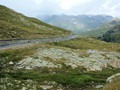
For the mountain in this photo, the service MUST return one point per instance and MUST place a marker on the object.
(15, 25)
(98, 32)
(77, 24)
(112, 35)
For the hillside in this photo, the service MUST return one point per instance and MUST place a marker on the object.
(77, 24)
(112, 35)
(98, 32)
(15, 25)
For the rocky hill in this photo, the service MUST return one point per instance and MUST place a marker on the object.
(77, 24)
(15, 25)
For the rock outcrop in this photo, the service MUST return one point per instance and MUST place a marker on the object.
(56, 57)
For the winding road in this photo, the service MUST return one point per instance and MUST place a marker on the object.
(8, 44)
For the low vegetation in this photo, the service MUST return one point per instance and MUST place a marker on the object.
(16, 25)
(88, 43)
(72, 79)
(67, 77)
(98, 32)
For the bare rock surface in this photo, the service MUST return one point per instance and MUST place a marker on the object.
(55, 57)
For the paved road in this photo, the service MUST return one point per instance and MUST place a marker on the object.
(7, 44)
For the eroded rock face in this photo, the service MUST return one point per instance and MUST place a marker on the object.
(55, 57)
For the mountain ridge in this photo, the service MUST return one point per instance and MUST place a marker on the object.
(77, 24)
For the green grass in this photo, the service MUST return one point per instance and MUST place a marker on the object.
(88, 43)
(98, 32)
(16, 25)
(71, 78)
(15, 55)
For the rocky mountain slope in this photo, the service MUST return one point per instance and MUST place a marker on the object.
(16, 25)
(77, 24)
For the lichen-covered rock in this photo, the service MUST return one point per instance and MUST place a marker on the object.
(30, 63)
(11, 63)
(56, 57)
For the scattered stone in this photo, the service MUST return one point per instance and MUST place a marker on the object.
(46, 87)
(23, 88)
(99, 86)
(11, 63)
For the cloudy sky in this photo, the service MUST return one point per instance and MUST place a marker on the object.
(69, 7)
